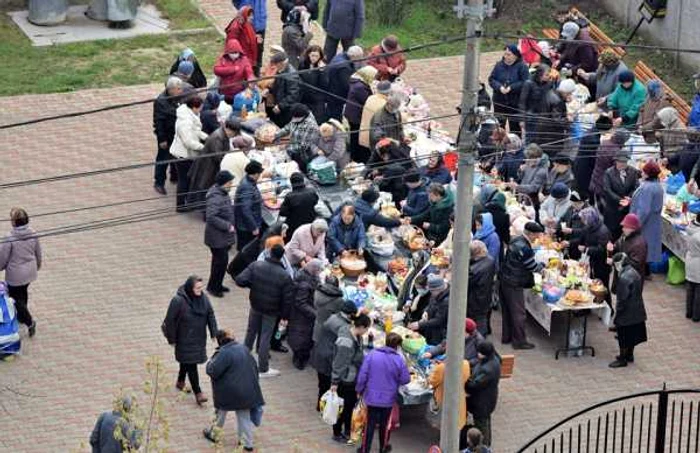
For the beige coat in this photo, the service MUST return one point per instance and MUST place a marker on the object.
(374, 104)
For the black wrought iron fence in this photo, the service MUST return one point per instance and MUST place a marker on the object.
(662, 421)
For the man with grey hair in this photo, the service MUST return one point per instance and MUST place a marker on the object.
(386, 123)
(339, 71)
(164, 117)
(308, 243)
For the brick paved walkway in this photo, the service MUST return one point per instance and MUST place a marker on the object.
(102, 294)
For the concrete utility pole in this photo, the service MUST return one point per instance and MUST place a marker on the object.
(449, 432)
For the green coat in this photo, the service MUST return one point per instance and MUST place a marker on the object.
(438, 215)
(628, 102)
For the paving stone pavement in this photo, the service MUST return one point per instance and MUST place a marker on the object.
(102, 294)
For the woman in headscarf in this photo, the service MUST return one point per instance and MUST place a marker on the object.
(241, 29)
(303, 313)
(197, 79)
(494, 202)
(631, 316)
(656, 100)
(436, 170)
(647, 204)
(360, 90)
(185, 326)
(594, 242)
(296, 36)
(210, 113)
(506, 80)
(670, 132)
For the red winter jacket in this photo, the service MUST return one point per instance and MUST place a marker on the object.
(396, 61)
(231, 71)
(243, 31)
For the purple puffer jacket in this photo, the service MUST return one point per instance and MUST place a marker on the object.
(380, 376)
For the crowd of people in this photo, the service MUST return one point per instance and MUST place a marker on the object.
(580, 184)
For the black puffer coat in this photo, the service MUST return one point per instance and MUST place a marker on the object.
(298, 208)
(186, 324)
(328, 300)
(271, 287)
(481, 274)
(314, 99)
(482, 387)
(434, 328)
(234, 378)
(303, 313)
(219, 220)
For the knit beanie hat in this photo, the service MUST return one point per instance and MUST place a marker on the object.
(626, 76)
(469, 326)
(608, 57)
(349, 307)
(513, 48)
(655, 89)
(384, 87)
(567, 86)
(620, 136)
(223, 177)
(559, 191)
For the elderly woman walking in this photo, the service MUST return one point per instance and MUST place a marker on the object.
(303, 313)
(647, 204)
(630, 315)
(185, 326)
(20, 258)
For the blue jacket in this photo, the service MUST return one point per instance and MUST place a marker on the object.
(487, 234)
(247, 206)
(417, 201)
(344, 19)
(513, 76)
(440, 175)
(259, 12)
(371, 216)
(345, 237)
(647, 204)
(510, 165)
(240, 100)
(694, 117)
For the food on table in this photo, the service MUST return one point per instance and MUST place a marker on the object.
(391, 211)
(266, 133)
(575, 296)
(439, 259)
(353, 265)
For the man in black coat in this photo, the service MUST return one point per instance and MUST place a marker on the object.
(164, 117)
(247, 205)
(339, 71)
(203, 170)
(286, 91)
(219, 231)
(433, 325)
(516, 274)
(482, 270)
(482, 388)
(299, 205)
(619, 183)
(271, 288)
(236, 387)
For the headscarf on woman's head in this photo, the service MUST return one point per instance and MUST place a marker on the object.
(591, 217)
(486, 193)
(654, 89)
(314, 267)
(189, 286)
(668, 116)
(212, 101)
(367, 74)
(245, 12)
(514, 143)
(185, 54)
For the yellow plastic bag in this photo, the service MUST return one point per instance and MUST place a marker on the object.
(359, 420)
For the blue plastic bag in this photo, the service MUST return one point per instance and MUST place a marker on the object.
(660, 267)
(674, 183)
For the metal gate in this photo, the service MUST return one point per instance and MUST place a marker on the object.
(663, 421)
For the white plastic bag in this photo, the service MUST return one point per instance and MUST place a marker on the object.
(332, 406)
